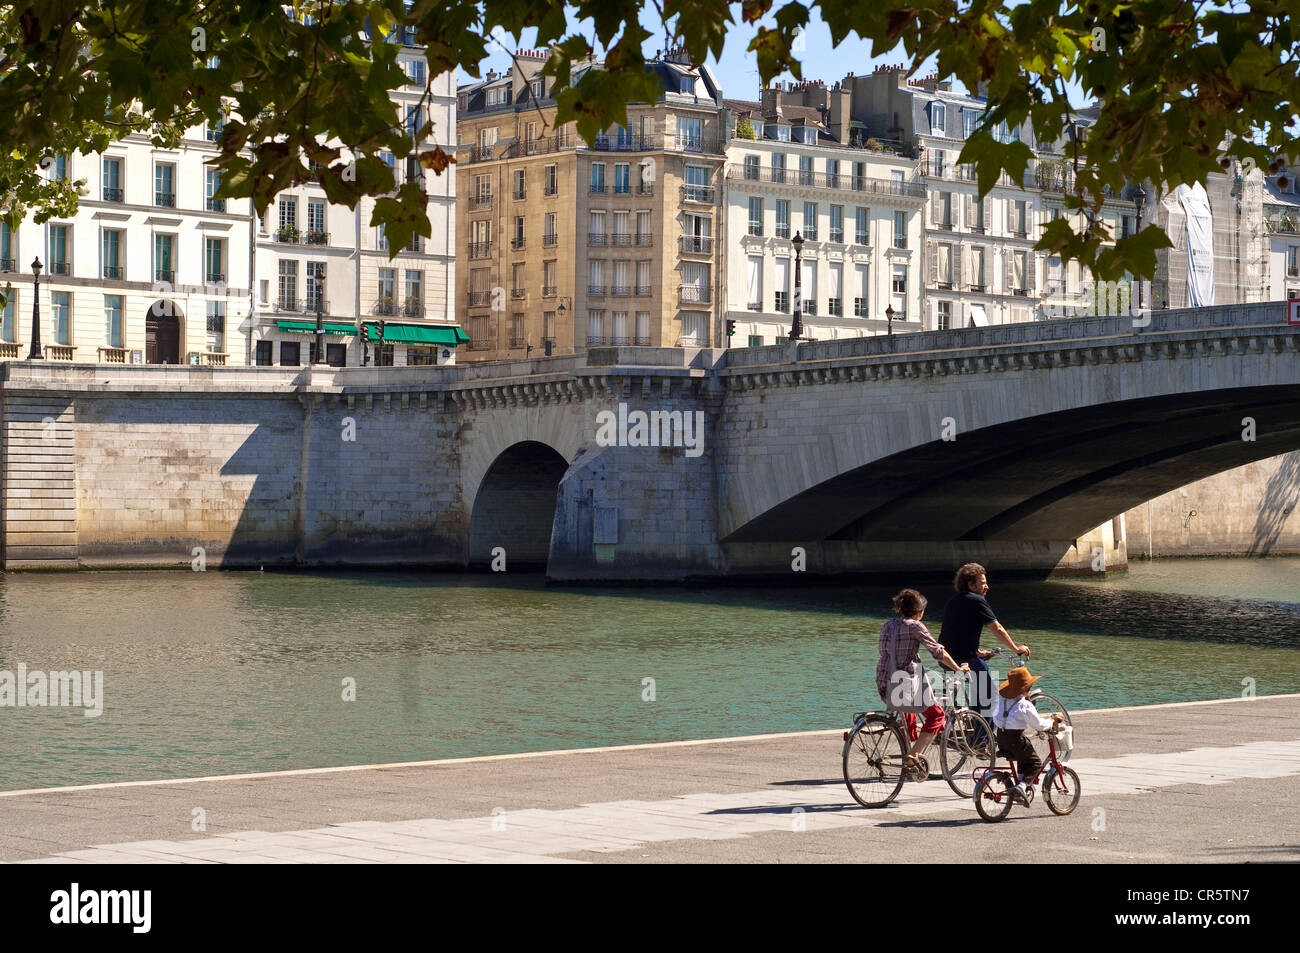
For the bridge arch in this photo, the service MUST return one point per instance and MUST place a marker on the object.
(514, 507)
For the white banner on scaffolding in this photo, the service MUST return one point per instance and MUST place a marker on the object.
(1200, 245)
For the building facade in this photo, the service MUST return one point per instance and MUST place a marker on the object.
(567, 246)
(154, 269)
(1282, 224)
(857, 213)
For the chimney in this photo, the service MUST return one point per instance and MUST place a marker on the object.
(492, 75)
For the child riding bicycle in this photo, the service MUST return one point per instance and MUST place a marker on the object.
(1014, 714)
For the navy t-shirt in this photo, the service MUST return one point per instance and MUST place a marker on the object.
(963, 619)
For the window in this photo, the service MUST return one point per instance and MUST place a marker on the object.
(977, 279)
(61, 305)
(944, 269)
(595, 277)
(113, 254)
(1018, 273)
(414, 175)
(538, 89)
(164, 258)
(782, 301)
(549, 237)
(697, 184)
(598, 177)
(778, 167)
(316, 233)
(900, 229)
(548, 279)
(622, 230)
(216, 322)
(783, 133)
(782, 218)
(937, 117)
(805, 170)
(643, 328)
(643, 234)
(754, 274)
(756, 340)
(414, 121)
(212, 131)
(861, 232)
(1293, 260)
(263, 291)
(517, 241)
(937, 162)
(1019, 221)
(59, 169)
(415, 70)
(695, 282)
(837, 223)
(595, 328)
(262, 356)
(288, 220)
(517, 284)
(214, 257)
(620, 335)
(809, 286)
(898, 287)
(164, 184)
(1126, 226)
(521, 184)
(8, 329)
(548, 327)
(112, 184)
(289, 353)
(969, 118)
(482, 194)
(8, 252)
(414, 294)
(642, 278)
(860, 299)
(977, 215)
(622, 178)
(810, 221)
(943, 315)
(487, 138)
(698, 232)
(316, 287)
(833, 173)
(550, 188)
(288, 286)
(60, 245)
(945, 209)
(690, 133)
(113, 320)
(211, 183)
(835, 289)
(751, 168)
(596, 228)
(387, 287)
(756, 216)
(694, 326)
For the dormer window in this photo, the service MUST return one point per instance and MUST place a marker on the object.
(969, 117)
(937, 117)
(537, 89)
(688, 84)
(783, 133)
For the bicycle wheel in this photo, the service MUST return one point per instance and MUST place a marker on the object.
(1047, 706)
(1061, 791)
(993, 795)
(965, 750)
(873, 761)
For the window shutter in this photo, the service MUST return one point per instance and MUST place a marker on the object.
(958, 257)
(956, 210)
(988, 212)
(1008, 272)
(934, 208)
(970, 209)
(932, 274)
(1031, 266)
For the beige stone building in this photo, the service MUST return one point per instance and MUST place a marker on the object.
(567, 246)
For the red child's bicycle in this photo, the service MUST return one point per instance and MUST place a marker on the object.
(993, 786)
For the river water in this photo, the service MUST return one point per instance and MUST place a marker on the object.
(218, 673)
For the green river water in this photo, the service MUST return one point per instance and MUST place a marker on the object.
(219, 673)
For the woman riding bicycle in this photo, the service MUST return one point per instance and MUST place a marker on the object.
(900, 677)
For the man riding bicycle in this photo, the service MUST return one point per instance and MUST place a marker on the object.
(964, 619)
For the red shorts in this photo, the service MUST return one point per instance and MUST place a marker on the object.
(933, 722)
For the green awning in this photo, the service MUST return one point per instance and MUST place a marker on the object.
(309, 327)
(448, 335)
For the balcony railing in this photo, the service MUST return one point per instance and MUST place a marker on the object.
(900, 241)
(696, 245)
(696, 294)
(114, 355)
(479, 344)
(844, 183)
(160, 274)
(521, 193)
(979, 288)
(646, 188)
(477, 202)
(114, 195)
(59, 352)
(837, 236)
(1020, 292)
(597, 239)
(6, 264)
(62, 268)
(548, 291)
(623, 188)
(861, 238)
(645, 238)
(620, 238)
(755, 306)
(549, 241)
(165, 199)
(480, 250)
(516, 244)
(596, 340)
(1284, 225)
(810, 233)
(214, 277)
(301, 305)
(756, 229)
(482, 154)
(698, 144)
(620, 291)
(597, 188)
(287, 233)
(113, 271)
(642, 291)
(597, 290)
(316, 236)
(782, 229)
(214, 205)
(640, 341)
(698, 193)
(9, 349)
(518, 294)
(476, 299)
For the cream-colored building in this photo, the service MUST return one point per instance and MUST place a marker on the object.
(151, 269)
(857, 211)
(566, 246)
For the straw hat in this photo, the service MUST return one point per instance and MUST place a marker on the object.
(1018, 682)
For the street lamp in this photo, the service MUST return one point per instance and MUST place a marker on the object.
(547, 343)
(796, 327)
(889, 321)
(320, 321)
(35, 354)
(1139, 199)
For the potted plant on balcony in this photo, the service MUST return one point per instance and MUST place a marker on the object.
(414, 307)
(287, 233)
(384, 305)
(317, 236)
(744, 129)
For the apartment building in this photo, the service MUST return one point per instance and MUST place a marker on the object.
(568, 246)
(857, 212)
(1281, 212)
(151, 269)
(310, 252)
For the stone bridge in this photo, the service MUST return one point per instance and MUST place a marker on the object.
(1016, 445)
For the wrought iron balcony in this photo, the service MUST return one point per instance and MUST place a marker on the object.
(482, 201)
(114, 195)
(645, 238)
(476, 299)
(696, 244)
(480, 250)
(696, 294)
(165, 199)
(214, 205)
(703, 194)
(516, 244)
(549, 241)
(113, 271)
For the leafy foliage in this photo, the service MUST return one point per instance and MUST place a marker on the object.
(1177, 78)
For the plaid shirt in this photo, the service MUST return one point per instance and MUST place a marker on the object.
(907, 636)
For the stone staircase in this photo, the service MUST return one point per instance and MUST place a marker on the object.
(40, 483)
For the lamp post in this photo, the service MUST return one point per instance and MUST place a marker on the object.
(889, 321)
(796, 326)
(1139, 199)
(547, 345)
(35, 354)
(320, 321)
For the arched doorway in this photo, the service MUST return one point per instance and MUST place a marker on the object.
(162, 333)
(515, 507)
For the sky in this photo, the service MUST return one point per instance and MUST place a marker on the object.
(737, 70)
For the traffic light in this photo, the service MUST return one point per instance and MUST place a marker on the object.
(380, 322)
(365, 333)
(731, 327)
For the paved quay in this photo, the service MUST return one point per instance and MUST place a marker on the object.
(1200, 782)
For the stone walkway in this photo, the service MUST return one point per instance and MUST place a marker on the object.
(791, 815)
